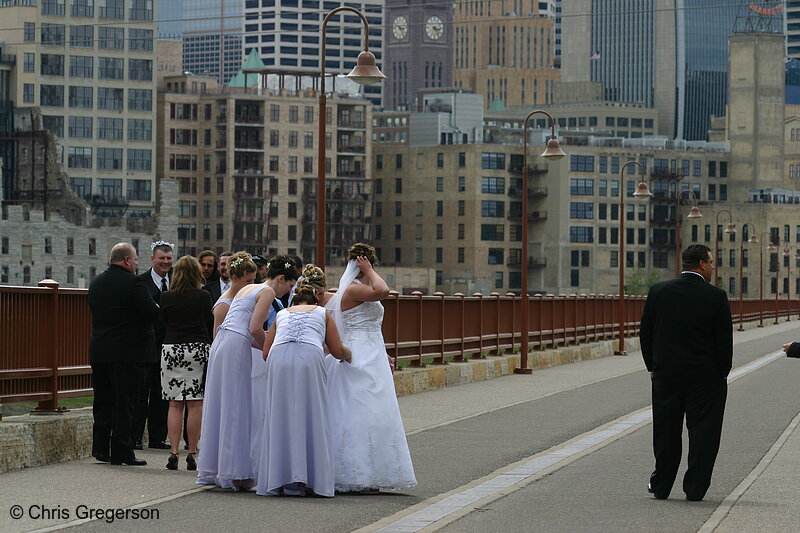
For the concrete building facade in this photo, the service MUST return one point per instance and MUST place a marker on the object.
(245, 162)
(212, 38)
(504, 53)
(90, 69)
(287, 35)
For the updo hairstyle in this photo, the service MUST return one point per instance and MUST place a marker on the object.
(281, 264)
(359, 249)
(314, 276)
(240, 264)
(305, 294)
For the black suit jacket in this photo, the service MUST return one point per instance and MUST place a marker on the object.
(686, 326)
(158, 327)
(123, 313)
(213, 288)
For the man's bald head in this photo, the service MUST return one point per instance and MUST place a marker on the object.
(124, 254)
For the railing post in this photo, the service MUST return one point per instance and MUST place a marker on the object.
(440, 360)
(514, 327)
(396, 296)
(460, 356)
(50, 346)
(480, 325)
(497, 322)
(418, 361)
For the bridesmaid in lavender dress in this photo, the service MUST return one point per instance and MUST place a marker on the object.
(225, 441)
(295, 456)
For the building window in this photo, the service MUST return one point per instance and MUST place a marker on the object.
(109, 129)
(581, 163)
(581, 234)
(81, 66)
(29, 64)
(141, 9)
(111, 68)
(81, 97)
(109, 159)
(108, 98)
(584, 210)
(139, 159)
(398, 161)
(53, 34)
(110, 188)
(51, 95)
(111, 38)
(141, 100)
(582, 187)
(80, 128)
(78, 156)
(140, 39)
(492, 232)
(29, 32)
(27, 93)
(493, 185)
(490, 160)
(140, 69)
(81, 36)
(462, 159)
(492, 208)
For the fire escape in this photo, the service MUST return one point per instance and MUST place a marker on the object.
(252, 191)
(537, 195)
(665, 183)
(348, 193)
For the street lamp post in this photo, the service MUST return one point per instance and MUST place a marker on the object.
(787, 253)
(694, 213)
(552, 152)
(730, 229)
(774, 248)
(641, 192)
(751, 240)
(364, 73)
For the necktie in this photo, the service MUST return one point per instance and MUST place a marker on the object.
(164, 287)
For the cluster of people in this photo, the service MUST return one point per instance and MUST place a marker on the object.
(280, 387)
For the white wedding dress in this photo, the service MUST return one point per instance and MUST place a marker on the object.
(367, 434)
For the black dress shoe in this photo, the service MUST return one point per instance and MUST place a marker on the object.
(159, 445)
(102, 457)
(130, 462)
(656, 495)
(137, 445)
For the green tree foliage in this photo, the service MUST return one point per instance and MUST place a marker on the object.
(640, 282)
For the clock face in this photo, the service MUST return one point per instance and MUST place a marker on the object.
(400, 28)
(434, 28)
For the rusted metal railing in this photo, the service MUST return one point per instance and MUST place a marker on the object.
(45, 331)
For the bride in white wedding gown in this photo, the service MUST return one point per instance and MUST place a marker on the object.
(367, 434)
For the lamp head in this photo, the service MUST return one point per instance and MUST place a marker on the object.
(695, 213)
(553, 150)
(771, 247)
(366, 72)
(730, 229)
(642, 190)
(753, 239)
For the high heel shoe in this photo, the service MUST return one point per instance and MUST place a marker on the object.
(191, 464)
(245, 485)
(172, 462)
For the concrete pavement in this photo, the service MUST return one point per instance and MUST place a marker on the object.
(443, 426)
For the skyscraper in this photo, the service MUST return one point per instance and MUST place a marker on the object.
(287, 34)
(212, 37)
(666, 54)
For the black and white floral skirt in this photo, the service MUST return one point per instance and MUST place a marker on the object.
(182, 369)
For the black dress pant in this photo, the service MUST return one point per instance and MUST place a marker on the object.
(116, 388)
(151, 408)
(699, 395)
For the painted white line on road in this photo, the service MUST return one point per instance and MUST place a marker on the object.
(150, 503)
(450, 506)
(727, 504)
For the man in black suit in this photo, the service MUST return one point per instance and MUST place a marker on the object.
(209, 264)
(152, 408)
(687, 345)
(122, 334)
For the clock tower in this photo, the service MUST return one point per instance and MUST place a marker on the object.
(418, 49)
